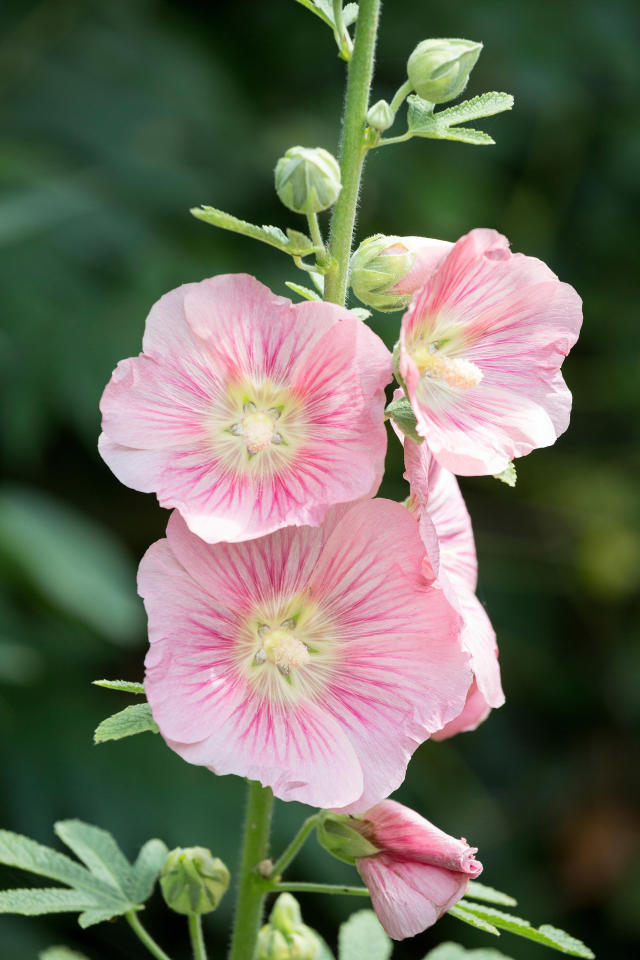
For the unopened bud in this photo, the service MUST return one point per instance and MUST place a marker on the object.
(286, 937)
(308, 179)
(286, 915)
(439, 69)
(380, 116)
(193, 881)
(343, 837)
(385, 272)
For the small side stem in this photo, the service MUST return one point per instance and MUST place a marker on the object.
(314, 230)
(295, 845)
(318, 888)
(145, 937)
(387, 141)
(197, 940)
(353, 149)
(400, 95)
(252, 887)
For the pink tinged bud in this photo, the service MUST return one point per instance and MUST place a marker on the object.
(385, 271)
(419, 872)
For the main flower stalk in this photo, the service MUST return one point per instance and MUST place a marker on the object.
(251, 888)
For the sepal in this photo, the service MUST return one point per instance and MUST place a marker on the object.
(342, 837)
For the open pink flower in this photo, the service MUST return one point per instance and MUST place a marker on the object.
(314, 660)
(429, 255)
(445, 528)
(480, 352)
(419, 871)
(248, 413)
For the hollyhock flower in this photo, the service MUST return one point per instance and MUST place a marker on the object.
(419, 871)
(385, 272)
(445, 529)
(248, 413)
(314, 660)
(480, 352)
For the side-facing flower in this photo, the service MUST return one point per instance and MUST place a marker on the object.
(385, 272)
(415, 872)
(445, 529)
(248, 413)
(480, 353)
(314, 660)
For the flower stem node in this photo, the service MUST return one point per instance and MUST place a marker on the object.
(439, 69)
(345, 837)
(193, 881)
(308, 179)
(286, 937)
(380, 116)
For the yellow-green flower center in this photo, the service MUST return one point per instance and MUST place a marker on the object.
(454, 371)
(257, 428)
(281, 647)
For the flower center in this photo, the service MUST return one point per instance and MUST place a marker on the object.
(281, 647)
(257, 428)
(454, 371)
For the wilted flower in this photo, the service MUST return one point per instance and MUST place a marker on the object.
(314, 660)
(480, 352)
(248, 413)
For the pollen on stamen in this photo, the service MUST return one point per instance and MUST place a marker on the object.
(285, 651)
(454, 371)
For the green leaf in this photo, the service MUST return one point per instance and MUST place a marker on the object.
(71, 561)
(362, 936)
(545, 935)
(101, 914)
(99, 852)
(508, 476)
(296, 244)
(423, 122)
(34, 903)
(478, 891)
(125, 686)
(467, 135)
(453, 951)
(26, 854)
(61, 953)
(134, 719)
(404, 418)
(321, 8)
(360, 312)
(324, 953)
(460, 913)
(303, 292)
(485, 105)
(349, 14)
(147, 867)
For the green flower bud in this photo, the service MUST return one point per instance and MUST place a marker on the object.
(380, 116)
(300, 944)
(308, 179)
(344, 838)
(286, 916)
(439, 69)
(376, 266)
(193, 881)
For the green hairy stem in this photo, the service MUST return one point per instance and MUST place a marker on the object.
(251, 888)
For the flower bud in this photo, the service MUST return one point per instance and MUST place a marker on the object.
(344, 838)
(380, 116)
(439, 69)
(308, 179)
(385, 271)
(193, 881)
(286, 915)
(286, 937)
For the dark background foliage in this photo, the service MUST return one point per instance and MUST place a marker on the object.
(117, 117)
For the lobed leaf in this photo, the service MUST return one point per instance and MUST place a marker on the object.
(303, 292)
(401, 413)
(124, 686)
(296, 244)
(460, 913)
(147, 867)
(478, 891)
(423, 122)
(34, 903)
(26, 854)
(546, 935)
(484, 105)
(467, 135)
(101, 914)
(100, 853)
(134, 719)
(362, 936)
(349, 14)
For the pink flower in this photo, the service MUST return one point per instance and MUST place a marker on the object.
(445, 529)
(480, 352)
(248, 413)
(429, 255)
(314, 660)
(419, 871)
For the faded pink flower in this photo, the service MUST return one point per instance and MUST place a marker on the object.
(419, 871)
(445, 529)
(480, 352)
(314, 660)
(248, 413)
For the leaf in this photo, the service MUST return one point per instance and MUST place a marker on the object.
(460, 913)
(125, 686)
(73, 562)
(508, 476)
(423, 122)
(467, 135)
(361, 313)
(485, 105)
(362, 936)
(320, 8)
(478, 891)
(26, 854)
(349, 14)
(134, 719)
(404, 418)
(453, 951)
(147, 867)
(99, 852)
(546, 935)
(324, 953)
(296, 244)
(101, 914)
(34, 903)
(303, 292)
(61, 953)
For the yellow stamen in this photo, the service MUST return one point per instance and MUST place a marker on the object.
(257, 430)
(283, 649)
(455, 371)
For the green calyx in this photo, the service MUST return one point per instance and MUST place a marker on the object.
(345, 837)
(378, 264)
(308, 179)
(439, 69)
(193, 881)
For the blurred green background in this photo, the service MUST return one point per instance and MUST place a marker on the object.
(117, 117)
